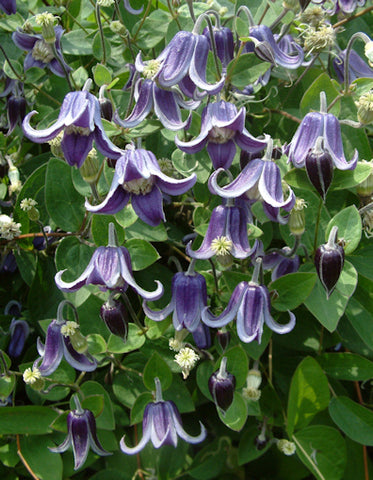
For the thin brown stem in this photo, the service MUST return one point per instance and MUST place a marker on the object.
(24, 461)
(352, 17)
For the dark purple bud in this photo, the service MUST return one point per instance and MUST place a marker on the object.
(223, 338)
(106, 108)
(329, 260)
(247, 157)
(13, 308)
(115, 316)
(16, 107)
(221, 385)
(319, 167)
(264, 51)
(261, 442)
(8, 263)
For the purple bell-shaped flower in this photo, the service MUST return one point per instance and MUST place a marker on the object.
(315, 125)
(80, 121)
(162, 425)
(250, 305)
(357, 68)
(138, 177)
(110, 268)
(81, 435)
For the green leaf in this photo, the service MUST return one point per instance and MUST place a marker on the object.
(157, 367)
(208, 463)
(349, 226)
(247, 450)
(323, 451)
(135, 340)
(74, 256)
(76, 43)
(247, 69)
(64, 204)
(142, 253)
(127, 387)
(97, 47)
(142, 231)
(362, 260)
(26, 262)
(101, 75)
(237, 364)
(7, 383)
(126, 217)
(100, 228)
(152, 30)
(236, 415)
(344, 179)
(45, 464)
(297, 177)
(96, 344)
(328, 312)
(346, 366)
(204, 372)
(137, 411)
(199, 163)
(311, 98)
(353, 419)
(30, 420)
(292, 290)
(309, 394)
(106, 419)
(9, 71)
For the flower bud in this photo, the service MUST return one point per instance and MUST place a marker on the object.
(223, 338)
(46, 20)
(319, 168)
(16, 109)
(365, 108)
(286, 447)
(115, 316)
(365, 188)
(106, 108)
(90, 168)
(297, 219)
(221, 385)
(79, 342)
(329, 260)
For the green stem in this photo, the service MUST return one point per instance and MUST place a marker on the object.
(317, 225)
(102, 37)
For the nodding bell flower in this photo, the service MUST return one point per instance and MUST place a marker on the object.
(19, 331)
(185, 55)
(222, 128)
(80, 121)
(259, 180)
(63, 340)
(138, 177)
(221, 385)
(280, 263)
(224, 42)
(226, 235)
(189, 298)
(288, 55)
(329, 261)
(162, 425)
(319, 168)
(165, 103)
(8, 6)
(16, 109)
(40, 53)
(250, 305)
(357, 68)
(315, 125)
(110, 268)
(81, 435)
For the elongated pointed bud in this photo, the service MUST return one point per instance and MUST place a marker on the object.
(319, 168)
(329, 260)
(221, 385)
(115, 316)
(223, 337)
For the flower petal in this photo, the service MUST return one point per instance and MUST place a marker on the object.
(231, 310)
(244, 181)
(305, 137)
(115, 201)
(149, 207)
(250, 315)
(167, 109)
(221, 154)
(143, 105)
(53, 350)
(77, 360)
(271, 323)
(79, 282)
(76, 147)
(41, 136)
(333, 144)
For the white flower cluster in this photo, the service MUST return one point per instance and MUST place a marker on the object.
(8, 228)
(186, 359)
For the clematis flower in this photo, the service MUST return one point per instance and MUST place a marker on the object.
(250, 305)
(40, 52)
(165, 103)
(19, 331)
(224, 42)
(357, 68)
(80, 121)
(344, 6)
(63, 340)
(280, 264)
(138, 177)
(280, 53)
(186, 54)
(226, 235)
(110, 268)
(162, 425)
(189, 297)
(81, 435)
(222, 128)
(259, 180)
(8, 6)
(315, 125)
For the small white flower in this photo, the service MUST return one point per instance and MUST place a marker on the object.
(286, 447)
(105, 3)
(8, 228)
(31, 375)
(27, 204)
(69, 329)
(186, 359)
(368, 50)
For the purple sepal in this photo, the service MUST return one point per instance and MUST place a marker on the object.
(19, 331)
(8, 6)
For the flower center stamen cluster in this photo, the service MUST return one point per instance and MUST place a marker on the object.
(140, 185)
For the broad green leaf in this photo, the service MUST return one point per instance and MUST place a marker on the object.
(157, 367)
(101, 75)
(26, 262)
(236, 415)
(7, 383)
(142, 253)
(199, 163)
(328, 312)
(297, 177)
(346, 366)
(247, 450)
(96, 344)
(97, 49)
(208, 463)
(246, 70)
(359, 316)
(152, 30)
(353, 419)
(126, 217)
(26, 420)
(64, 204)
(309, 394)
(350, 178)
(45, 464)
(349, 226)
(73, 256)
(106, 418)
(127, 387)
(137, 411)
(323, 451)
(142, 231)
(180, 395)
(362, 260)
(237, 364)
(292, 290)
(311, 98)
(204, 371)
(135, 340)
(100, 228)
(76, 43)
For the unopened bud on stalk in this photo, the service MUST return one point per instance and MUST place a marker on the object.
(297, 219)
(221, 385)
(223, 338)
(115, 316)
(253, 382)
(329, 260)
(319, 168)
